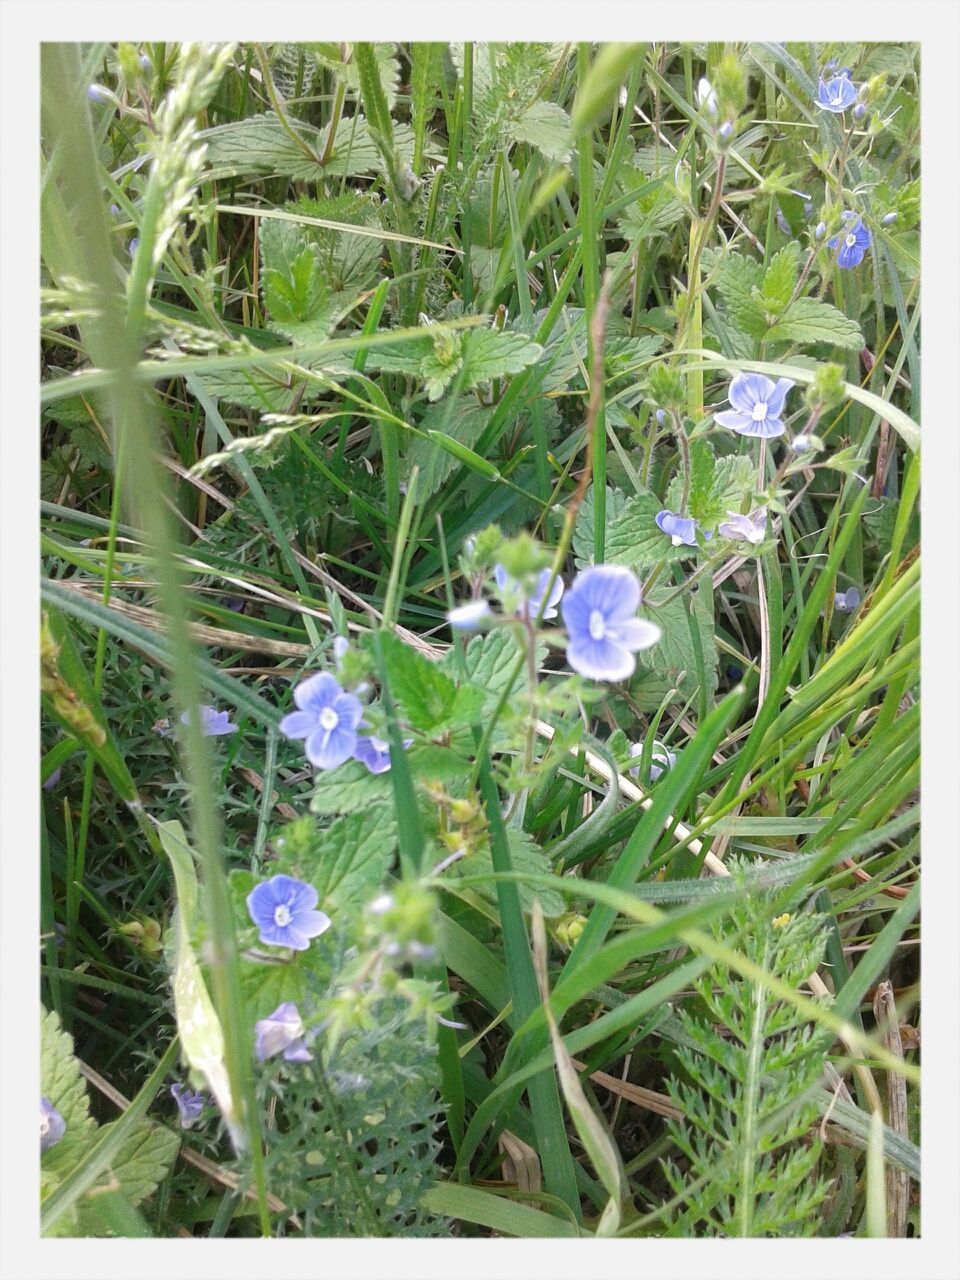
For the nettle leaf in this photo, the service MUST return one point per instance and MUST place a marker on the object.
(348, 788)
(463, 420)
(809, 320)
(142, 1160)
(633, 538)
(729, 480)
(702, 468)
(672, 662)
(545, 126)
(62, 1083)
(424, 694)
(490, 661)
(294, 287)
(780, 278)
(489, 354)
(526, 857)
(736, 278)
(330, 55)
(260, 145)
(349, 859)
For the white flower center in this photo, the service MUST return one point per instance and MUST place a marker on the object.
(44, 1125)
(598, 626)
(759, 412)
(282, 916)
(329, 719)
(676, 539)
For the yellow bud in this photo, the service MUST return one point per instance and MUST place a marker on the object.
(780, 921)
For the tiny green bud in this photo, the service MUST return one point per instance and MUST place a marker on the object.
(827, 389)
(523, 556)
(665, 387)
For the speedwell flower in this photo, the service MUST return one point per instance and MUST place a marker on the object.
(213, 723)
(327, 718)
(282, 1032)
(513, 598)
(757, 405)
(847, 601)
(682, 530)
(853, 243)
(837, 93)
(471, 616)
(752, 528)
(283, 910)
(599, 612)
(52, 1125)
(189, 1104)
(661, 760)
(374, 752)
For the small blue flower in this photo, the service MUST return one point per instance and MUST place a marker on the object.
(806, 443)
(819, 230)
(725, 132)
(52, 1125)
(53, 780)
(782, 222)
(340, 646)
(472, 616)
(97, 93)
(282, 1032)
(888, 218)
(133, 246)
(752, 528)
(190, 1105)
(327, 718)
(847, 601)
(661, 760)
(707, 97)
(373, 751)
(837, 93)
(859, 111)
(513, 599)
(283, 910)
(661, 417)
(604, 633)
(757, 406)
(853, 244)
(213, 723)
(682, 530)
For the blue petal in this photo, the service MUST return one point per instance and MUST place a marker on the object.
(748, 390)
(733, 420)
(327, 749)
(850, 255)
(298, 724)
(766, 428)
(612, 590)
(777, 397)
(316, 692)
(600, 659)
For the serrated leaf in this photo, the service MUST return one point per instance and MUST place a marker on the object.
(351, 857)
(385, 55)
(489, 354)
(545, 126)
(261, 145)
(348, 788)
(633, 538)
(526, 857)
(809, 320)
(142, 1160)
(424, 694)
(780, 278)
(293, 284)
(672, 662)
(463, 422)
(62, 1083)
(736, 277)
(490, 661)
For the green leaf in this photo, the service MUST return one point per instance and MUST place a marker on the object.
(423, 692)
(489, 354)
(545, 126)
(62, 1083)
(527, 858)
(490, 661)
(350, 787)
(463, 421)
(385, 57)
(780, 278)
(142, 1159)
(633, 538)
(659, 669)
(809, 320)
(350, 858)
(736, 278)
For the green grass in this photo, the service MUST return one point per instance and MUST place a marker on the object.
(408, 307)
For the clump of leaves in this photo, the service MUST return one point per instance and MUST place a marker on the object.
(749, 1061)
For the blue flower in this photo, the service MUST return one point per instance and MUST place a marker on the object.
(661, 417)
(752, 528)
(757, 405)
(373, 751)
(471, 616)
(847, 601)
(189, 1104)
(661, 760)
(54, 780)
(599, 613)
(888, 218)
(682, 530)
(853, 244)
(837, 93)
(327, 718)
(283, 911)
(97, 93)
(213, 723)
(52, 1125)
(513, 598)
(707, 97)
(282, 1032)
